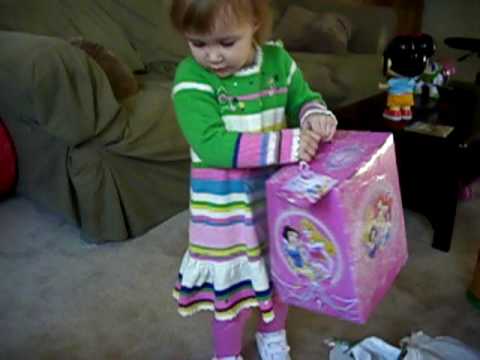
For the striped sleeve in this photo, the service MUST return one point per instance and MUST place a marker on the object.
(281, 147)
(199, 118)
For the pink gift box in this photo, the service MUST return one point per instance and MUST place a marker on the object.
(337, 233)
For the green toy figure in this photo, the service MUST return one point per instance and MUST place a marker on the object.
(431, 79)
(435, 74)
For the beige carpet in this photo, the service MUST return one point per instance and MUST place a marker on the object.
(61, 298)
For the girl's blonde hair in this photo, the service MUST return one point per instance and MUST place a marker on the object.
(201, 16)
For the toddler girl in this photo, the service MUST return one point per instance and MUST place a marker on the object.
(243, 108)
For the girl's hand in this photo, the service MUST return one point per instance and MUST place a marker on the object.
(323, 125)
(309, 141)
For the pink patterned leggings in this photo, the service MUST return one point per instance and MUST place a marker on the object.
(227, 335)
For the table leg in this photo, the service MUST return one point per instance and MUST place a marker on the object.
(442, 211)
(428, 171)
(443, 221)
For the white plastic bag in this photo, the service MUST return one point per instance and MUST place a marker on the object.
(371, 348)
(418, 346)
(423, 347)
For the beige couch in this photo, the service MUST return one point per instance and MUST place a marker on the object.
(343, 76)
(118, 167)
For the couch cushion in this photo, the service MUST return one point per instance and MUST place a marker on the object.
(148, 27)
(329, 33)
(356, 76)
(153, 132)
(121, 78)
(372, 26)
(66, 19)
(321, 78)
(304, 30)
(291, 28)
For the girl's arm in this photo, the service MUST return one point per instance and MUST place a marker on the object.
(201, 123)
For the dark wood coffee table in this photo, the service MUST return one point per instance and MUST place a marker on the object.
(431, 169)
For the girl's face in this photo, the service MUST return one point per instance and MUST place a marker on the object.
(226, 50)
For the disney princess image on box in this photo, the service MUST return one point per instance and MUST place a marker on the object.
(308, 252)
(379, 224)
(295, 252)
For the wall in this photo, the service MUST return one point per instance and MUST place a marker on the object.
(445, 18)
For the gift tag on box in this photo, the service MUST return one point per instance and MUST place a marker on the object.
(307, 187)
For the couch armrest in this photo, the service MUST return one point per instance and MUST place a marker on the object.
(50, 84)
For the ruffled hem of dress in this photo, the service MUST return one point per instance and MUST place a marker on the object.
(225, 288)
(209, 306)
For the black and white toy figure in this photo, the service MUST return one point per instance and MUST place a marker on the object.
(403, 63)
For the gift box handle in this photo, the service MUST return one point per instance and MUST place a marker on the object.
(305, 170)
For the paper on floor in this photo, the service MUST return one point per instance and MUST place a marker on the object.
(418, 346)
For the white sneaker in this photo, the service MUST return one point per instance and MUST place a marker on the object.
(229, 358)
(273, 346)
